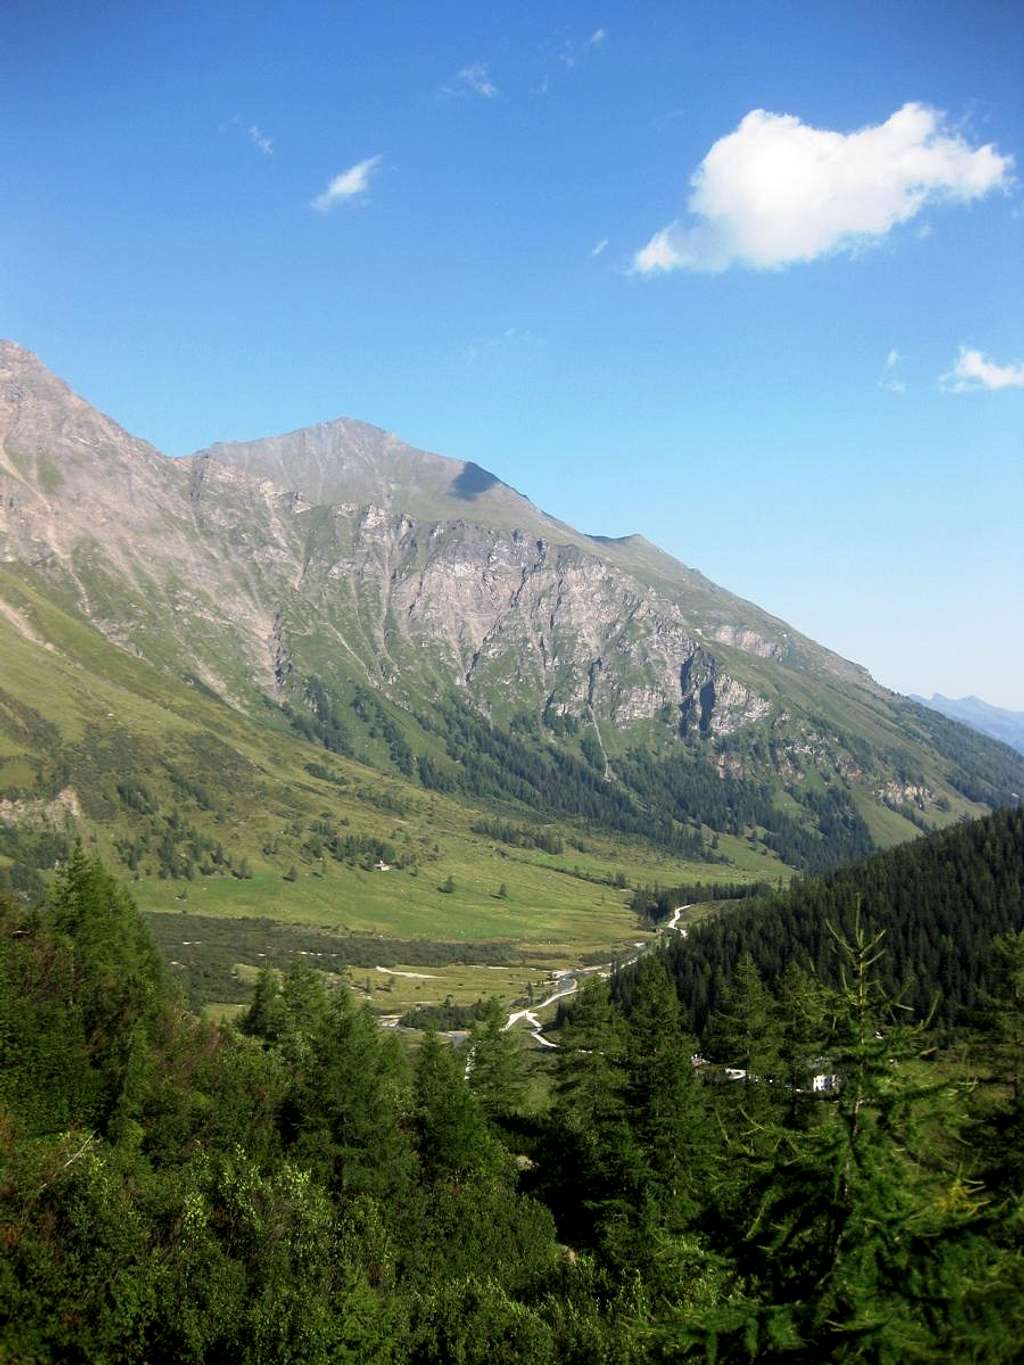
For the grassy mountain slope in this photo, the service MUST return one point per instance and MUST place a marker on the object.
(211, 811)
(491, 657)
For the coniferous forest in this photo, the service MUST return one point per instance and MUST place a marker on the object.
(940, 901)
(819, 1174)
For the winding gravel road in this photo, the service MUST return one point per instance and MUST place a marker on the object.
(567, 982)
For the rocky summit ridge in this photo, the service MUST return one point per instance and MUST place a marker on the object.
(287, 575)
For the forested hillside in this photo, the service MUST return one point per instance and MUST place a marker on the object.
(296, 1190)
(940, 901)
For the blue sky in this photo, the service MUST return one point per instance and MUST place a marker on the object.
(803, 374)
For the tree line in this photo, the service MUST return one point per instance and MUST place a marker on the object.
(941, 900)
(656, 903)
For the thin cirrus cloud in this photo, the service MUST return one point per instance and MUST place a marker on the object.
(253, 132)
(515, 340)
(889, 378)
(477, 78)
(259, 140)
(572, 52)
(348, 185)
(776, 191)
(973, 370)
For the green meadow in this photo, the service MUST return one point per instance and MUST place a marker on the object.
(210, 813)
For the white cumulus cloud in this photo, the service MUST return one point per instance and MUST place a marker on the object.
(477, 78)
(348, 185)
(974, 370)
(776, 191)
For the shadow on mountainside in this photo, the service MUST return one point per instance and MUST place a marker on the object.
(472, 482)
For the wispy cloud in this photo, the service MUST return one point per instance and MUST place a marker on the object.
(513, 339)
(973, 370)
(348, 185)
(889, 379)
(476, 77)
(574, 50)
(259, 140)
(776, 191)
(598, 247)
(253, 132)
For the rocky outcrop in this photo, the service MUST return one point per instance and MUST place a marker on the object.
(518, 622)
(741, 637)
(899, 793)
(62, 813)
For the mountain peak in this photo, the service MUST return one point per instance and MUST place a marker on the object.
(346, 460)
(19, 365)
(54, 444)
(13, 350)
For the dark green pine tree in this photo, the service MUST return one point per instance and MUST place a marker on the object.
(1005, 1010)
(653, 1237)
(801, 1023)
(496, 1063)
(348, 1103)
(744, 1036)
(743, 1033)
(265, 1018)
(119, 983)
(304, 1004)
(861, 1243)
(1001, 1131)
(665, 1102)
(594, 1163)
(48, 1083)
(453, 1140)
(590, 1078)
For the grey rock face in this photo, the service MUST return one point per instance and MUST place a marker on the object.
(518, 622)
(244, 559)
(342, 552)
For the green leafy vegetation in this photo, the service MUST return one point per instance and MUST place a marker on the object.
(444, 1017)
(296, 1188)
(28, 853)
(206, 951)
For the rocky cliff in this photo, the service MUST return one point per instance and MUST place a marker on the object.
(341, 556)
